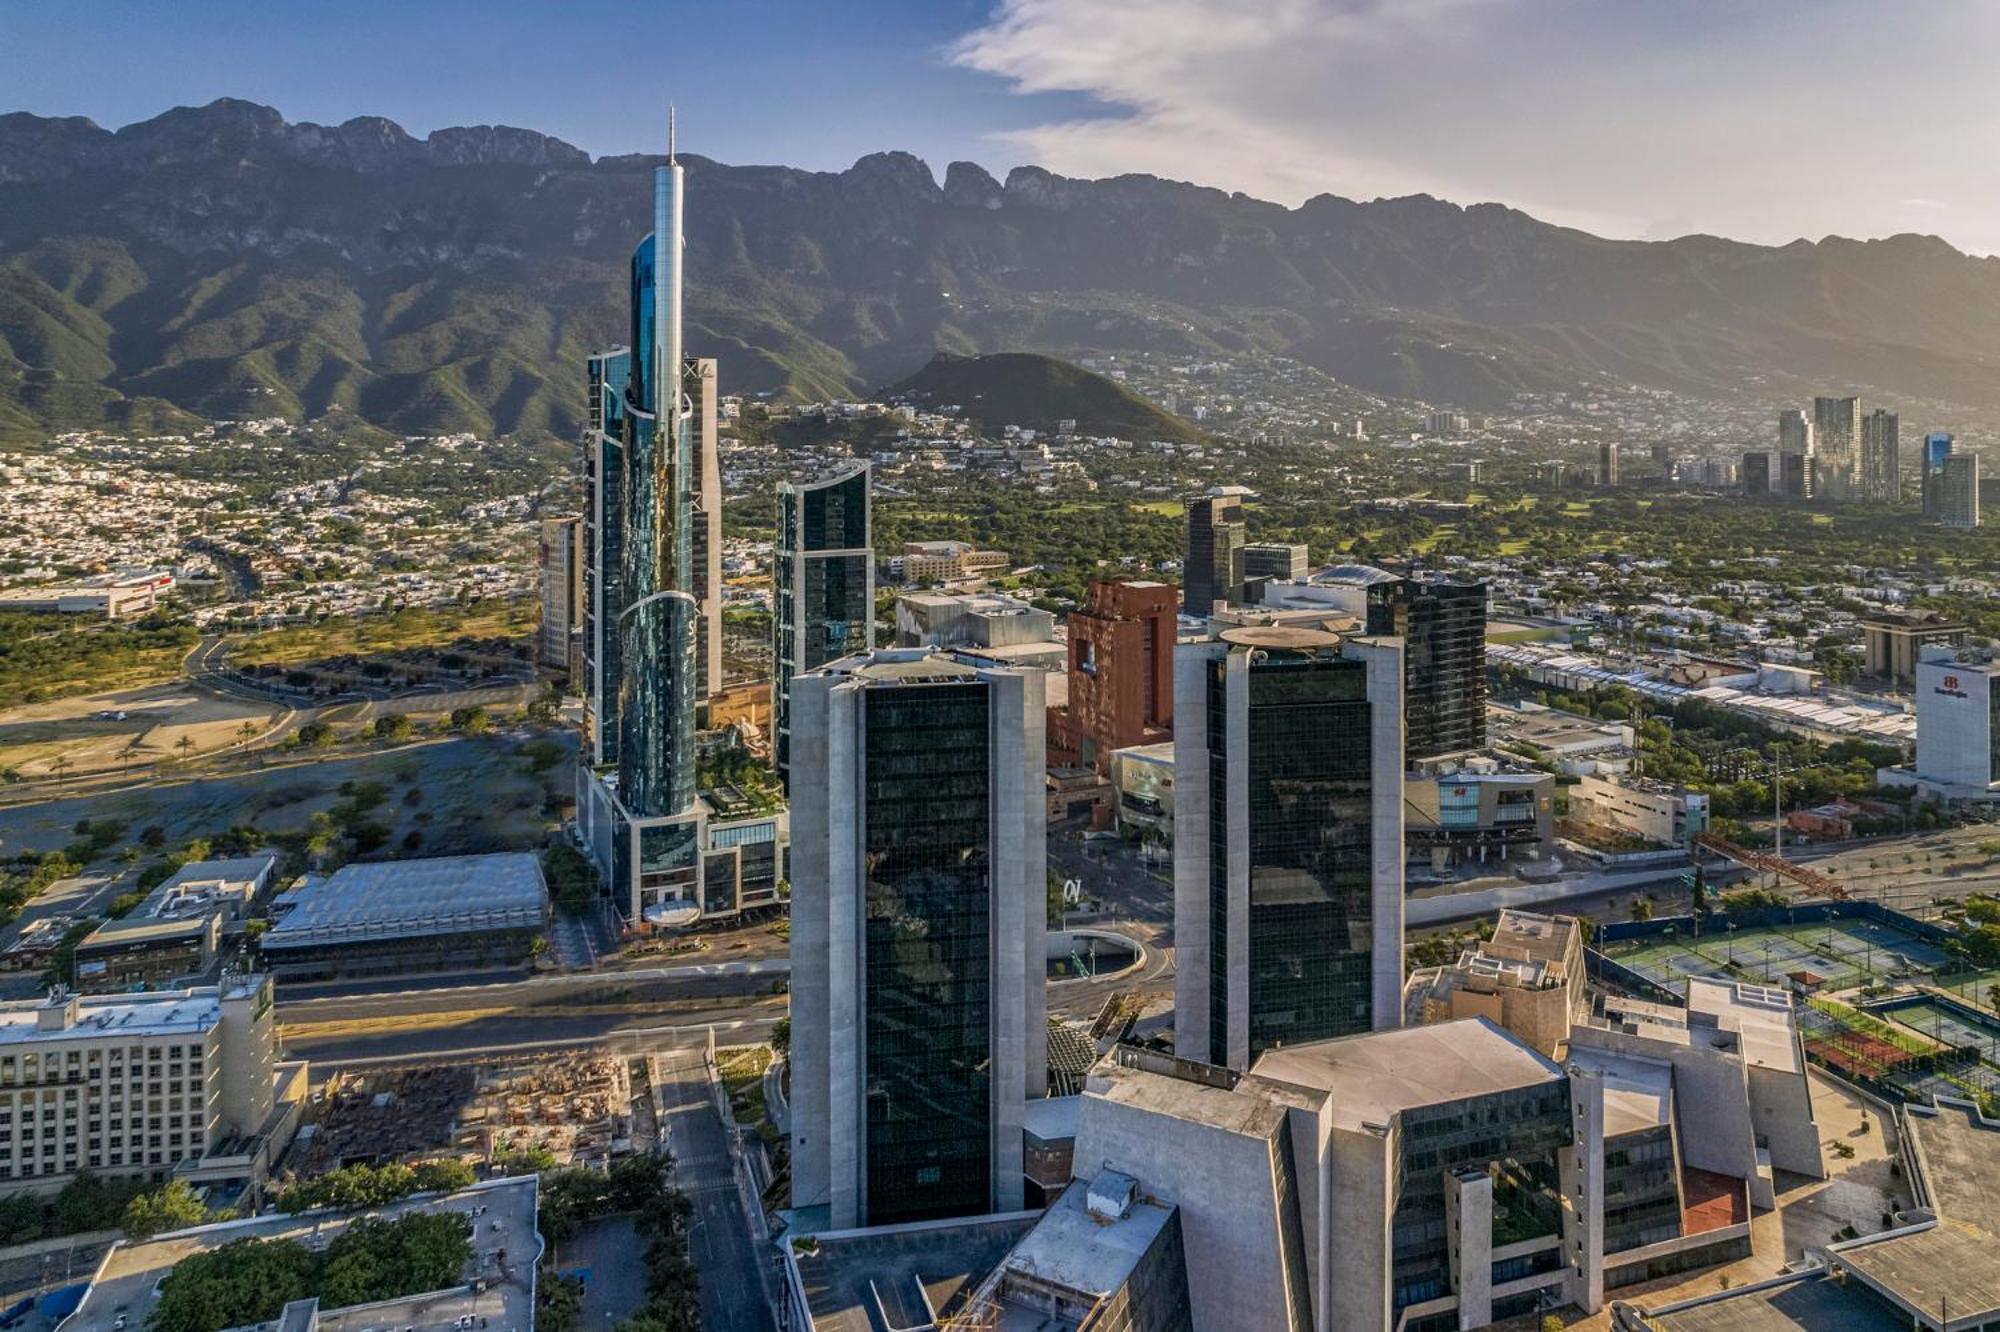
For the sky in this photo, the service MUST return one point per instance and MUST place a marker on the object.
(1763, 120)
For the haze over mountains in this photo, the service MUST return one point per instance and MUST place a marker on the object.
(222, 262)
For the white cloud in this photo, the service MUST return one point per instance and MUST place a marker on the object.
(1765, 122)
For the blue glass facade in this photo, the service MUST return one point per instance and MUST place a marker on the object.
(823, 586)
(658, 612)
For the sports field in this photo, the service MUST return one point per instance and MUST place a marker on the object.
(1843, 953)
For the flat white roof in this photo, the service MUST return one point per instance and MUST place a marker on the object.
(410, 898)
(1637, 1092)
(1372, 1077)
(1761, 1014)
(114, 1016)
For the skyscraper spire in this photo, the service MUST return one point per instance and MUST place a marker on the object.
(670, 132)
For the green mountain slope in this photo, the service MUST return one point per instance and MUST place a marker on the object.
(1026, 389)
(220, 261)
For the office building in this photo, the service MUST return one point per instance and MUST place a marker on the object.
(1958, 491)
(1796, 467)
(1102, 1258)
(129, 592)
(1447, 423)
(608, 375)
(499, 1214)
(823, 586)
(1274, 559)
(1142, 787)
(1836, 444)
(698, 380)
(1121, 674)
(1442, 623)
(1881, 454)
(175, 933)
(1482, 811)
(598, 655)
(392, 917)
(1663, 459)
(1288, 840)
(1741, 1092)
(1937, 1268)
(667, 854)
(941, 562)
(1937, 447)
(1215, 540)
(1958, 722)
(1757, 473)
(1607, 463)
(1406, 1178)
(1661, 813)
(1893, 642)
(918, 936)
(1529, 979)
(1552, 475)
(559, 560)
(997, 629)
(180, 1082)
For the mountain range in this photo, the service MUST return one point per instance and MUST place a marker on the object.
(222, 262)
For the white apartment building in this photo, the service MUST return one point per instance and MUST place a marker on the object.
(184, 1082)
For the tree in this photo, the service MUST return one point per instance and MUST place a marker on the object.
(172, 1206)
(395, 726)
(781, 1037)
(316, 735)
(248, 1281)
(185, 744)
(472, 720)
(572, 879)
(1641, 909)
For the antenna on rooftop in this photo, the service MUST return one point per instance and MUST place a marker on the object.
(670, 132)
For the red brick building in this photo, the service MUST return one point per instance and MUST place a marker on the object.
(1121, 674)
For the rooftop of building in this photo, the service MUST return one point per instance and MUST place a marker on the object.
(237, 874)
(1955, 1263)
(1363, 575)
(1761, 1015)
(125, 1289)
(904, 666)
(1928, 621)
(851, 1278)
(1532, 936)
(1290, 637)
(1638, 1092)
(1087, 1244)
(1372, 1077)
(1797, 1305)
(409, 898)
(1160, 1085)
(165, 1013)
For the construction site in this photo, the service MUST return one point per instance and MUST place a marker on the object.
(561, 1108)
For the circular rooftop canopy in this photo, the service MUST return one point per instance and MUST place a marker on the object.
(1290, 636)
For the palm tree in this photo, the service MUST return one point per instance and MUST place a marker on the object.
(246, 730)
(58, 765)
(184, 744)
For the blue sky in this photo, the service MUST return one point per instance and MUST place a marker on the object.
(1761, 119)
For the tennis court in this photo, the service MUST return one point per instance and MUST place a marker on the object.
(1953, 1026)
(1844, 953)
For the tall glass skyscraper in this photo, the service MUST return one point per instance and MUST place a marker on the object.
(652, 631)
(917, 946)
(1288, 840)
(657, 619)
(1442, 623)
(823, 585)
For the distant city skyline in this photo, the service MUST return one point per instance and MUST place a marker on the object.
(1629, 121)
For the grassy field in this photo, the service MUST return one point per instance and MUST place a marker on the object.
(1165, 508)
(366, 635)
(44, 657)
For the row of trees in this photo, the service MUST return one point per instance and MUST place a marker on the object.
(643, 1187)
(358, 1186)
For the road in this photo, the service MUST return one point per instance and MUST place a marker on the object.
(733, 1272)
